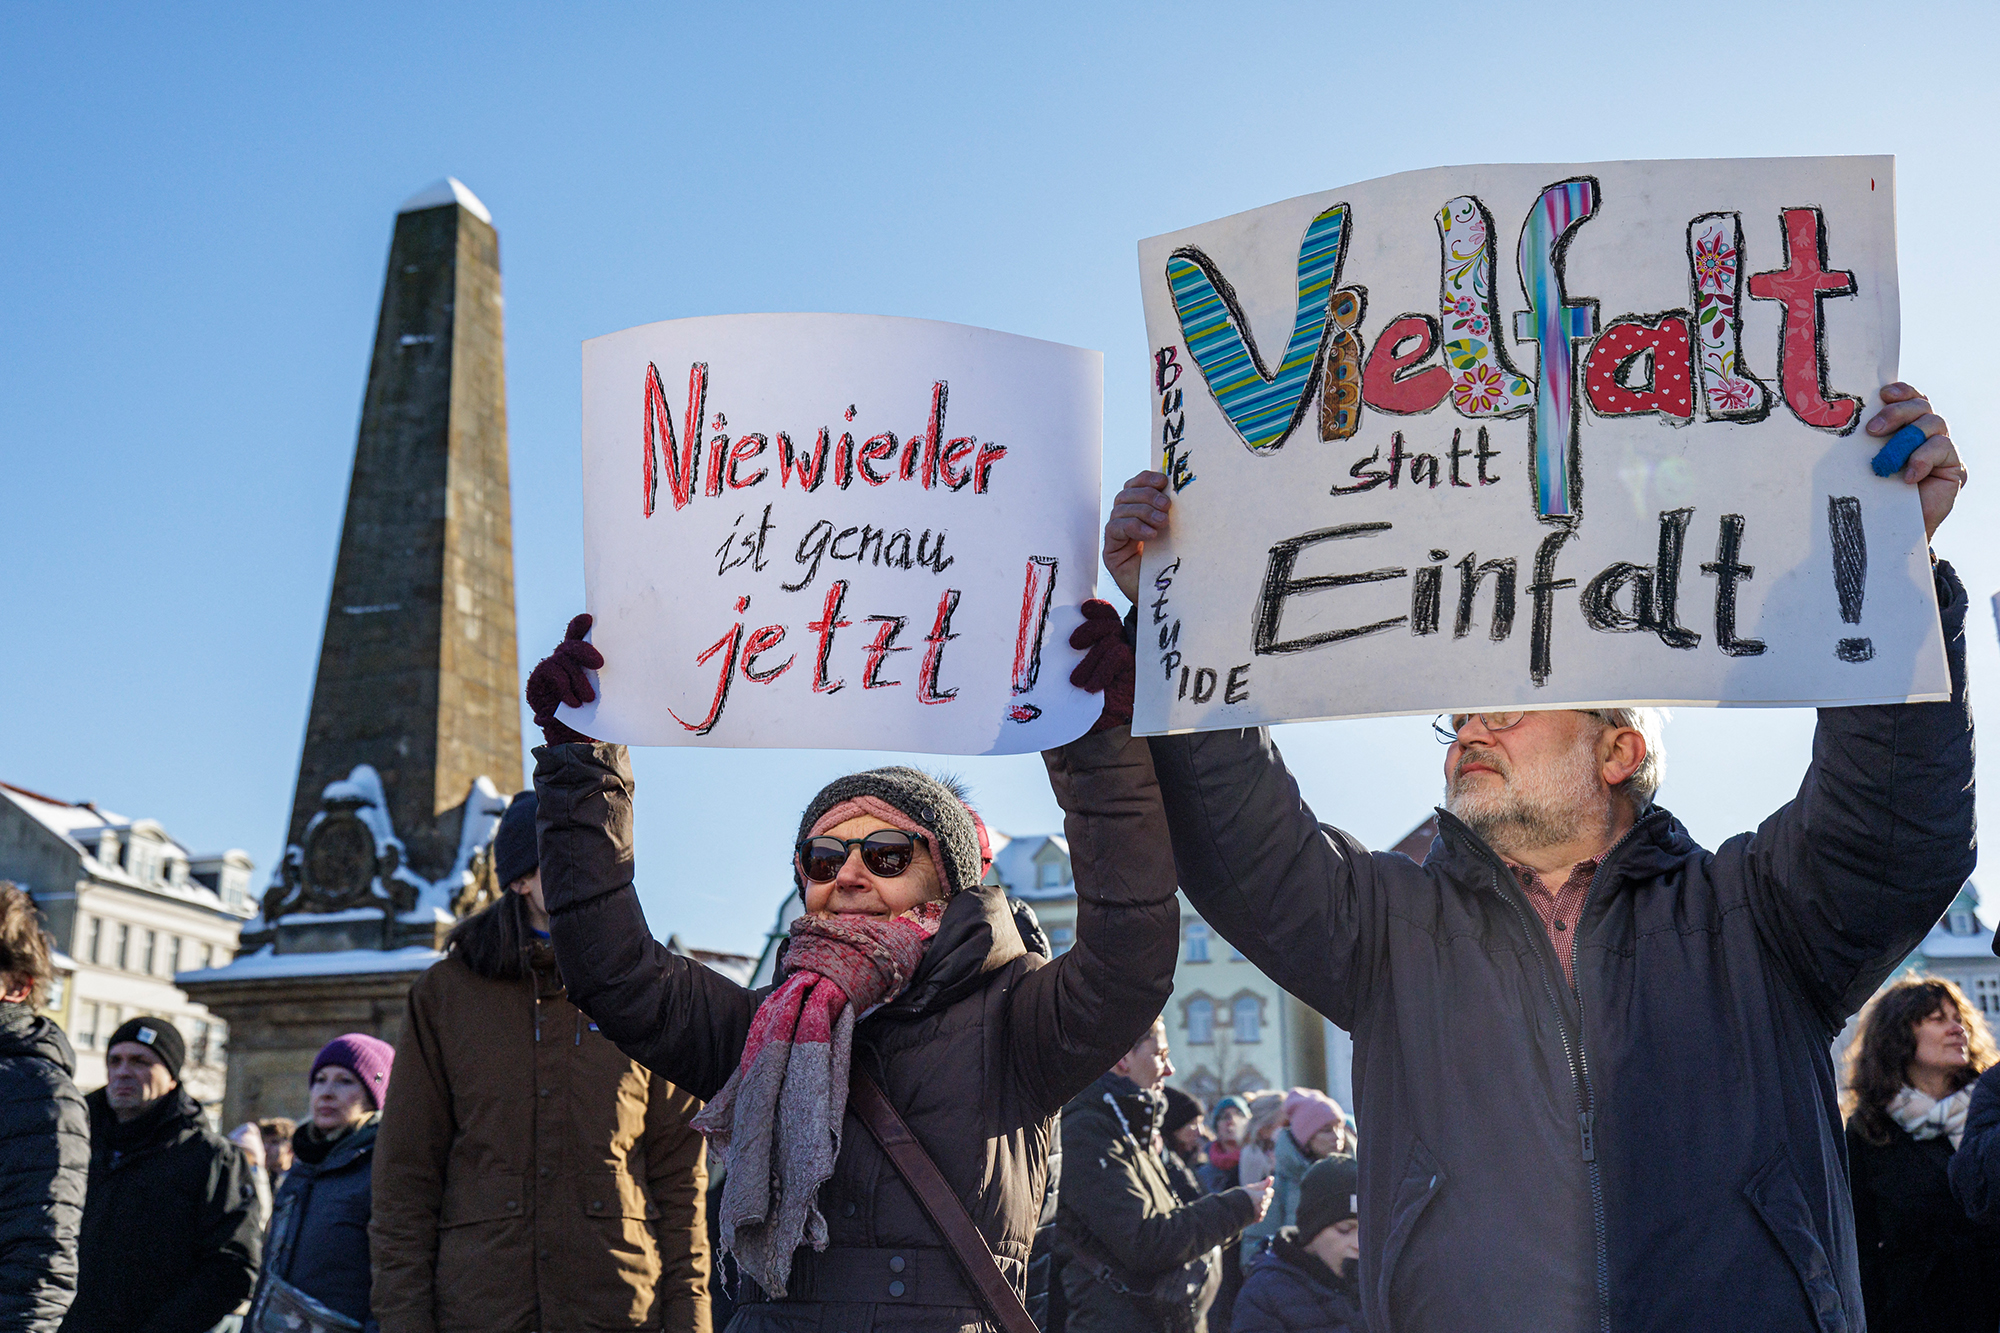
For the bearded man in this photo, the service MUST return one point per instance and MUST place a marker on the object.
(1592, 1058)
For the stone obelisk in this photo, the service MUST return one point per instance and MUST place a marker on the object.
(414, 736)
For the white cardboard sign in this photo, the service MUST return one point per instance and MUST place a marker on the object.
(1541, 436)
(838, 531)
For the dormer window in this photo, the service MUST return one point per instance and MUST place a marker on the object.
(1961, 923)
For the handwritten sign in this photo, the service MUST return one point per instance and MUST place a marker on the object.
(838, 531)
(1540, 436)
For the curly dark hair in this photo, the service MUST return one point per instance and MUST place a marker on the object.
(1879, 1060)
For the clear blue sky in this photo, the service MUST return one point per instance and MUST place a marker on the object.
(195, 210)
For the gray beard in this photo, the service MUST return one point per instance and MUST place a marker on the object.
(1536, 809)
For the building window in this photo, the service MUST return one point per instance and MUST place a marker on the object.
(151, 956)
(208, 955)
(1048, 875)
(173, 955)
(1961, 923)
(1060, 939)
(1986, 994)
(1249, 1015)
(1201, 1022)
(86, 1026)
(58, 987)
(96, 939)
(1197, 942)
(124, 958)
(199, 1051)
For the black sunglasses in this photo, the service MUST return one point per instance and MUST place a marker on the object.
(886, 852)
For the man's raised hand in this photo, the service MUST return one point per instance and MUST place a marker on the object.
(1934, 469)
(1138, 512)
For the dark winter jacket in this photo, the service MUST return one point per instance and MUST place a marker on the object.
(1975, 1167)
(1119, 1209)
(978, 1052)
(1291, 1290)
(170, 1237)
(44, 1162)
(318, 1239)
(1512, 1178)
(1925, 1266)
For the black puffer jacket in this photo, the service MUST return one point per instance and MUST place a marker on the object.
(978, 1053)
(1119, 1209)
(319, 1222)
(1291, 1290)
(170, 1238)
(44, 1163)
(1512, 1178)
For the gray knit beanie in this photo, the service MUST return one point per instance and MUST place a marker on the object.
(934, 804)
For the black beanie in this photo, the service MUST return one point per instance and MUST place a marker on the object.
(929, 802)
(1328, 1194)
(157, 1035)
(515, 852)
(1182, 1110)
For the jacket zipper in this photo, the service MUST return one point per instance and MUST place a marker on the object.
(1579, 1064)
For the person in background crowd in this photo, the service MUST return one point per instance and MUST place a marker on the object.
(1185, 1133)
(247, 1137)
(1260, 1153)
(904, 968)
(1312, 1126)
(1226, 1120)
(529, 1174)
(44, 1132)
(277, 1132)
(169, 1241)
(316, 1258)
(1307, 1281)
(1925, 1266)
(1569, 985)
(1134, 1255)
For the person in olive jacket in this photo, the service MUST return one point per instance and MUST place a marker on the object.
(170, 1238)
(44, 1133)
(529, 1176)
(904, 967)
(1570, 986)
(1120, 1226)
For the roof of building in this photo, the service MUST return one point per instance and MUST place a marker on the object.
(78, 824)
(1014, 866)
(1971, 939)
(450, 190)
(264, 963)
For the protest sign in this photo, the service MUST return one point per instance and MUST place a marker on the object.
(838, 531)
(1532, 436)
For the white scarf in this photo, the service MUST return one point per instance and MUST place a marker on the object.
(1923, 1118)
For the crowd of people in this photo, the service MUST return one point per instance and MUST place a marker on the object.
(1592, 1062)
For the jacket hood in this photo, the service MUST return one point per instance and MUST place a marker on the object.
(1656, 845)
(1286, 1249)
(39, 1037)
(977, 936)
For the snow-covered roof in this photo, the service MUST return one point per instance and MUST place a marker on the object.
(265, 964)
(1976, 939)
(450, 190)
(79, 824)
(1014, 866)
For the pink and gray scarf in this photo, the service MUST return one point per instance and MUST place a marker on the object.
(777, 1121)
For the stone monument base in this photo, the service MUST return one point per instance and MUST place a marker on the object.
(282, 1008)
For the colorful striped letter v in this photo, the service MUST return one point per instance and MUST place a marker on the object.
(1554, 322)
(1264, 407)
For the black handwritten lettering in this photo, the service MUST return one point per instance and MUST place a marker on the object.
(1280, 585)
(1728, 570)
(879, 650)
(1543, 590)
(1470, 575)
(1236, 688)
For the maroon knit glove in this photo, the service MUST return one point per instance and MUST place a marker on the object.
(559, 679)
(1108, 665)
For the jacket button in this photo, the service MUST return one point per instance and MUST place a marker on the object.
(895, 1288)
(596, 1205)
(512, 1204)
(896, 1263)
(545, 1092)
(847, 1210)
(547, 1172)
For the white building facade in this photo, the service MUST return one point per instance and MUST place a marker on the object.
(129, 907)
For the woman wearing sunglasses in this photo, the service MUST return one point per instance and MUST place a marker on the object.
(905, 968)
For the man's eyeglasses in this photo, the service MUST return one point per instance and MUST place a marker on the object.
(886, 852)
(1446, 726)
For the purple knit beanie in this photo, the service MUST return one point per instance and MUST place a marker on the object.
(367, 1058)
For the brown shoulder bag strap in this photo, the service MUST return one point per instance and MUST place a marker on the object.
(940, 1204)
